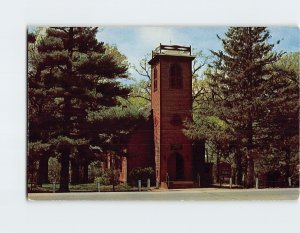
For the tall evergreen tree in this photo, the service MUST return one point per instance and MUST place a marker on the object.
(39, 114)
(240, 76)
(77, 75)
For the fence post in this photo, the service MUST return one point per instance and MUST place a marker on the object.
(167, 179)
(230, 182)
(139, 185)
(53, 187)
(199, 181)
(148, 183)
(243, 180)
(98, 186)
(290, 181)
(256, 183)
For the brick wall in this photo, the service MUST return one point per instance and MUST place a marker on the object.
(165, 103)
(140, 147)
(155, 104)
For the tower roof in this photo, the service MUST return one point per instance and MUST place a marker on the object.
(172, 50)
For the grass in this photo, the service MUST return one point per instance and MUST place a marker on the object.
(90, 187)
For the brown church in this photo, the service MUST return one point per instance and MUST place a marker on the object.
(160, 142)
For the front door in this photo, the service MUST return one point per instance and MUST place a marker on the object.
(179, 167)
(176, 167)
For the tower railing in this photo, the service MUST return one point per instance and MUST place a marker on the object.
(161, 48)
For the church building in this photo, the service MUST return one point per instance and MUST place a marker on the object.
(160, 143)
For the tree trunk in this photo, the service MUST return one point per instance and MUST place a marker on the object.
(250, 161)
(250, 172)
(287, 165)
(43, 170)
(218, 168)
(85, 172)
(239, 168)
(113, 183)
(65, 155)
(64, 171)
(74, 172)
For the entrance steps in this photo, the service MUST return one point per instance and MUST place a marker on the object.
(182, 184)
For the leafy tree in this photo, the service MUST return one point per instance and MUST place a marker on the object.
(199, 84)
(208, 127)
(75, 74)
(142, 88)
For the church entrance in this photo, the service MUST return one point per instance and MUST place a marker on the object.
(176, 167)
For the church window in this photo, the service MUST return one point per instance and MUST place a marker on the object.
(155, 79)
(175, 76)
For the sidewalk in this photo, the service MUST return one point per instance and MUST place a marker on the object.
(176, 195)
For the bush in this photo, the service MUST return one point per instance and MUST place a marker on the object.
(108, 177)
(53, 170)
(142, 174)
(103, 179)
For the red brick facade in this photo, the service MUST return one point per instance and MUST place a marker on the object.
(140, 150)
(161, 143)
(173, 150)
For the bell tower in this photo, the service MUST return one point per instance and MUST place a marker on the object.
(171, 102)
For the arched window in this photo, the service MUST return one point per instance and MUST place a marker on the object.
(175, 76)
(155, 79)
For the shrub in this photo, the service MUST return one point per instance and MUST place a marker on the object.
(142, 174)
(102, 179)
(53, 169)
(108, 177)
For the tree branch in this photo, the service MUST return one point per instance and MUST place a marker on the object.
(140, 96)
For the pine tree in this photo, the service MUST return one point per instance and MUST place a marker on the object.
(39, 115)
(77, 75)
(240, 77)
(283, 116)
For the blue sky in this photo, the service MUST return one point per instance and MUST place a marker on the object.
(135, 42)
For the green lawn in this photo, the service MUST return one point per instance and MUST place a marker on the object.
(90, 187)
